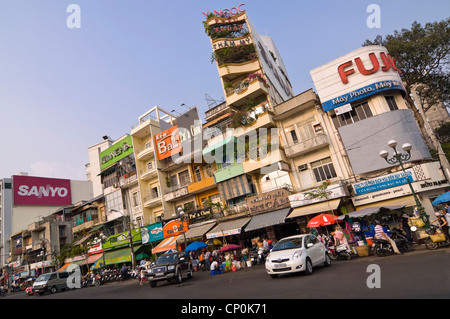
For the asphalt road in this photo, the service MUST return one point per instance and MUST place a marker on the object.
(421, 274)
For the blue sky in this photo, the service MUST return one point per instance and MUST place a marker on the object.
(62, 89)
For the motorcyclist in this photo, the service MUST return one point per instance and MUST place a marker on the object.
(380, 234)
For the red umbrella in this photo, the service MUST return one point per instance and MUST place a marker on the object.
(229, 247)
(322, 220)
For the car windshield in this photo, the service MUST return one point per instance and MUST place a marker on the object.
(43, 277)
(166, 259)
(290, 243)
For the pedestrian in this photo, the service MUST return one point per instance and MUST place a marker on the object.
(143, 276)
(441, 221)
(380, 234)
(405, 226)
(447, 214)
(208, 260)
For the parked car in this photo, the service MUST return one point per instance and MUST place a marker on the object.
(171, 266)
(51, 282)
(295, 254)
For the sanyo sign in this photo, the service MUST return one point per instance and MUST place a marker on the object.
(359, 74)
(30, 190)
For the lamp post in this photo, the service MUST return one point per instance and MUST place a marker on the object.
(182, 218)
(400, 158)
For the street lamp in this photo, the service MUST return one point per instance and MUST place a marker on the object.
(400, 158)
(182, 218)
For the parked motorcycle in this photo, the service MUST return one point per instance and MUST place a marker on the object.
(435, 239)
(342, 251)
(383, 247)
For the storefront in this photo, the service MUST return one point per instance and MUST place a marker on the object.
(271, 225)
(229, 232)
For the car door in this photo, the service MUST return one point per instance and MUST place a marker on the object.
(314, 251)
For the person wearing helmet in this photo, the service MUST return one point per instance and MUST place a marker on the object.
(442, 223)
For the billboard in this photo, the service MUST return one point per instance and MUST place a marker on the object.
(357, 75)
(41, 191)
(167, 143)
(116, 152)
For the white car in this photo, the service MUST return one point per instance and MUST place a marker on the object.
(295, 254)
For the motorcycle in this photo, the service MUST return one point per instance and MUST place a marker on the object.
(435, 238)
(383, 247)
(342, 251)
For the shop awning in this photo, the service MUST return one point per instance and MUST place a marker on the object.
(118, 256)
(223, 142)
(64, 266)
(83, 239)
(268, 219)
(196, 233)
(167, 244)
(315, 208)
(399, 201)
(92, 259)
(233, 227)
(370, 211)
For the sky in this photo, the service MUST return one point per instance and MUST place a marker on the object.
(62, 89)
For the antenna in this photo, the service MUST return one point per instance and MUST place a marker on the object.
(211, 102)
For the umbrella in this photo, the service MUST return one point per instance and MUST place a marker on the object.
(196, 245)
(442, 199)
(229, 247)
(322, 220)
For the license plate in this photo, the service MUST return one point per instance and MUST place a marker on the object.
(280, 265)
(252, 259)
(159, 274)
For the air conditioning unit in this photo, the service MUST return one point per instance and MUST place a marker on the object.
(302, 167)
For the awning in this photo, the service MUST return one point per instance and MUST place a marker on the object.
(92, 259)
(64, 266)
(370, 211)
(118, 256)
(167, 244)
(315, 208)
(223, 142)
(96, 228)
(228, 228)
(83, 240)
(234, 187)
(399, 201)
(196, 232)
(268, 219)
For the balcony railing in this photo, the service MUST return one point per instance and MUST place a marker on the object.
(308, 145)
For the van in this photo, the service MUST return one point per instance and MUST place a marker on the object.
(51, 282)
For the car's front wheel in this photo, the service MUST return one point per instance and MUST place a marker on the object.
(309, 267)
(179, 277)
(327, 261)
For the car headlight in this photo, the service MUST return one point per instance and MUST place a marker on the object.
(171, 267)
(297, 254)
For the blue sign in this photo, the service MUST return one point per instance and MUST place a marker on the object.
(383, 182)
(362, 93)
(151, 233)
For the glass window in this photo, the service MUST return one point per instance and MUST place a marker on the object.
(359, 112)
(198, 175)
(391, 102)
(290, 243)
(323, 169)
(184, 178)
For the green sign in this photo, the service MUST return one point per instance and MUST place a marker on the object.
(116, 152)
(121, 240)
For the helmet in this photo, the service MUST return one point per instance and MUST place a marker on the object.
(437, 214)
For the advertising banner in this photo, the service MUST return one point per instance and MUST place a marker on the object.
(356, 75)
(175, 228)
(151, 233)
(167, 143)
(41, 191)
(116, 152)
(121, 240)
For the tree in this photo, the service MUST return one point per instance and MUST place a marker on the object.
(422, 53)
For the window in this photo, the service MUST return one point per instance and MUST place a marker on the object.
(135, 199)
(306, 131)
(359, 112)
(391, 102)
(173, 180)
(198, 175)
(323, 169)
(184, 178)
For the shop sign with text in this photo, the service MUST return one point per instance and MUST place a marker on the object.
(273, 200)
(168, 143)
(40, 191)
(175, 228)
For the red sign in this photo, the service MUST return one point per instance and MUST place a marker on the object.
(226, 13)
(386, 59)
(41, 191)
(174, 228)
(168, 143)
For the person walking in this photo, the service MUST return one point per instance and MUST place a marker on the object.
(143, 276)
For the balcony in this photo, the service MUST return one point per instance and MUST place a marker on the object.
(177, 191)
(256, 163)
(245, 91)
(205, 183)
(146, 152)
(233, 70)
(305, 146)
(149, 171)
(151, 198)
(129, 180)
(228, 172)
